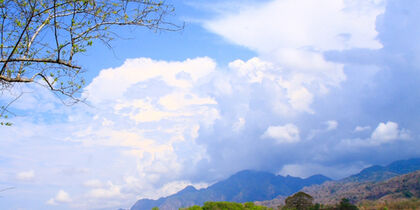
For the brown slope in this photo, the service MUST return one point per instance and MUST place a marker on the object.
(404, 186)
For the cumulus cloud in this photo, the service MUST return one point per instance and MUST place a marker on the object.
(154, 116)
(293, 44)
(61, 197)
(288, 90)
(26, 175)
(112, 84)
(288, 133)
(384, 133)
(387, 132)
(254, 70)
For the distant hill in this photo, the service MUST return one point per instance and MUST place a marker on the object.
(241, 187)
(376, 182)
(271, 190)
(403, 186)
(379, 173)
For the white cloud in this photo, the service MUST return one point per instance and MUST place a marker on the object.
(112, 84)
(331, 125)
(288, 133)
(110, 191)
(254, 70)
(179, 100)
(288, 90)
(291, 36)
(387, 132)
(61, 197)
(302, 23)
(165, 98)
(26, 175)
(361, 128)
(291, 50)
(300, 99)
(384, 133)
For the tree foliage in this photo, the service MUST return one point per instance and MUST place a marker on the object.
(41, 39)
(346, 205)
(224, 205)
(299, 201)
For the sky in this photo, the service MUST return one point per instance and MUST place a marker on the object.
(293, 87)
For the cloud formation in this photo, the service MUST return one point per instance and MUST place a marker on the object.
(288, 133)
(61, 197)
(387, 132)
(320, 97)
(361, 128)
(291, 24)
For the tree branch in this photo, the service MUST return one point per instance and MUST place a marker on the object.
(41, 60)
(17, 43)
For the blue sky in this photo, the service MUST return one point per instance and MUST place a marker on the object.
(294, 87)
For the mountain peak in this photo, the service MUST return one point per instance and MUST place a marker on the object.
(319, 177)
(243, 186)
(188, 189)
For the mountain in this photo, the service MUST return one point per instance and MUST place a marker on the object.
(379, 173)
(403, 186)
(241, 187)
(375, 182)
(400, 179)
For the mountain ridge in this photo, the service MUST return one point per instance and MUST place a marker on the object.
(374, 182)
(247, 185)
(251, 185)
(377, 173)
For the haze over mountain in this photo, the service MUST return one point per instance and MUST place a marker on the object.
(241, 187)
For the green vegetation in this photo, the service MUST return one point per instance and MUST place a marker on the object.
(299, 201)
(412, 204)
(303, 201)
(346, 205)
(222, 205)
